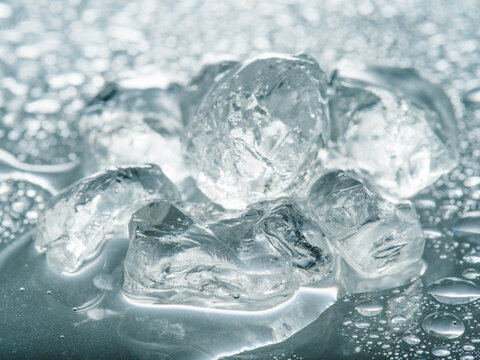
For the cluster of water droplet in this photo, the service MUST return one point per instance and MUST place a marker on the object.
(20, 204)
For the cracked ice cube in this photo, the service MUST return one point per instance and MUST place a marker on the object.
(258, 129)
(251, 261)
(395, 128)
(374, 236)
(128, 126)
(78, 221)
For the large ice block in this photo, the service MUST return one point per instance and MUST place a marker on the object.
(395, 128)
(77, 222)
(251, 261)
(374, 236)
(134, 126)
(258, 129)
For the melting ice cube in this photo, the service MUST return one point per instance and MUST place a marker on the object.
(392, 126)
(250, 261)
(133, 126)
(78, 221)
(374, 236)
(258, 129)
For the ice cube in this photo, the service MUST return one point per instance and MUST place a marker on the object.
(373, 236)
(395, 128)
(258, 129)
(78, 221)
(251, 261)
(134, 126)
(200, 85)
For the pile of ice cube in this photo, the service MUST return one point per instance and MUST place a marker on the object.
(262, 177)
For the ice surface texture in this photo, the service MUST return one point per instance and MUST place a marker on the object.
(374, 236)
(80, 219)
(251, 261)
(258, 129)
(126, 125)
(395, 128)
(199, 86)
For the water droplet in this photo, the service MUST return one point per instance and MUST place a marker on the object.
(369, 308)
(468, 347)
(472, 98)
(468, 228)
(411, 339)
(471, 274)
(362, 324)
(430, 233)
(443, 325)
(454, 291)
(22, 289)
(440, 351)
(472, 259)
(398, 319)
(467, 357)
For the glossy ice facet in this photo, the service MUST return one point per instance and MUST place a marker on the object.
(77, 222)
(373, 236)
(395, 128)
(133, 126)
(258, 129)
(200, 85)
(252, 261)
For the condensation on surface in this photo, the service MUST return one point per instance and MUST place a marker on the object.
(56, 55)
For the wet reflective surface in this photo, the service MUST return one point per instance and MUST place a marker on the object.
(55, 56)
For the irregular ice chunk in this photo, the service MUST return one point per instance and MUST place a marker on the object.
(78, 221)
(392, 126)
(252, 261)
(200, 85)
(258, 129)
(133, 126)
(373, 236)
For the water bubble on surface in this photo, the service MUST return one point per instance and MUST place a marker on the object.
(398, 319)
(471, 274)
(411, 339)
(443, 325)
(454, 291)
(468, 228)
(472, 98)
(369, 308)
(440, 351)
(472, 259)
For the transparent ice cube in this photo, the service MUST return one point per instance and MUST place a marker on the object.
(200, 85)
(395, 128)
(134, 126)
(373, 236)
(77, 222)
(251, 261)
(258, 129)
